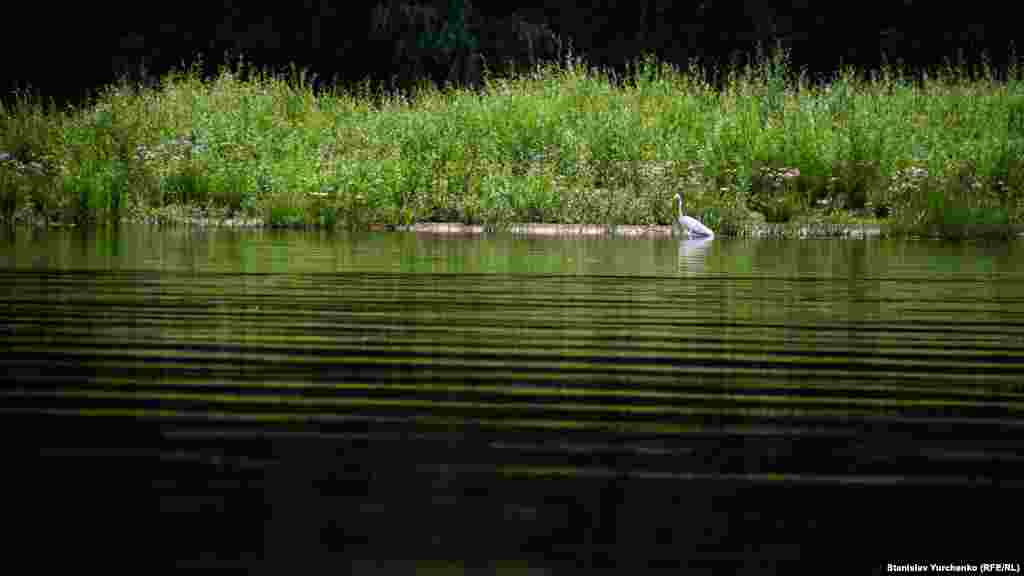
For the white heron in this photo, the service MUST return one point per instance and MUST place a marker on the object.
(691, 227)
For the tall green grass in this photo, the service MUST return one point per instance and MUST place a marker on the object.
(565, 143)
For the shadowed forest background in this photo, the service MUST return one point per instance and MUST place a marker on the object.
(67, 56)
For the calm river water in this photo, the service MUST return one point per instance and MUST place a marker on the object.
(504, 404)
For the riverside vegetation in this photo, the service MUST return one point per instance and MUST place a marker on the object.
(938, 155)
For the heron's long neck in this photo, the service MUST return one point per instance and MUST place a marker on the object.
(679, 200)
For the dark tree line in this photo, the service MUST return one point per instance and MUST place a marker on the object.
(66, 54)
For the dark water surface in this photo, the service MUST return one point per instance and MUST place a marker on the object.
(382, 403)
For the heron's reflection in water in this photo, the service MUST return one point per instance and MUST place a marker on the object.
(692, 253)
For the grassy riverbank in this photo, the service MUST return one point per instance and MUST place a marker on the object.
(942, 155)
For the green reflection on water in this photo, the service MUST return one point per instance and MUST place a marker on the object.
(131, 247)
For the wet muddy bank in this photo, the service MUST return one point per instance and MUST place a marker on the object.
(174, 216)
(763, 230)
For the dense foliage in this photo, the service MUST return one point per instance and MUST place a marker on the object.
(939, 155)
